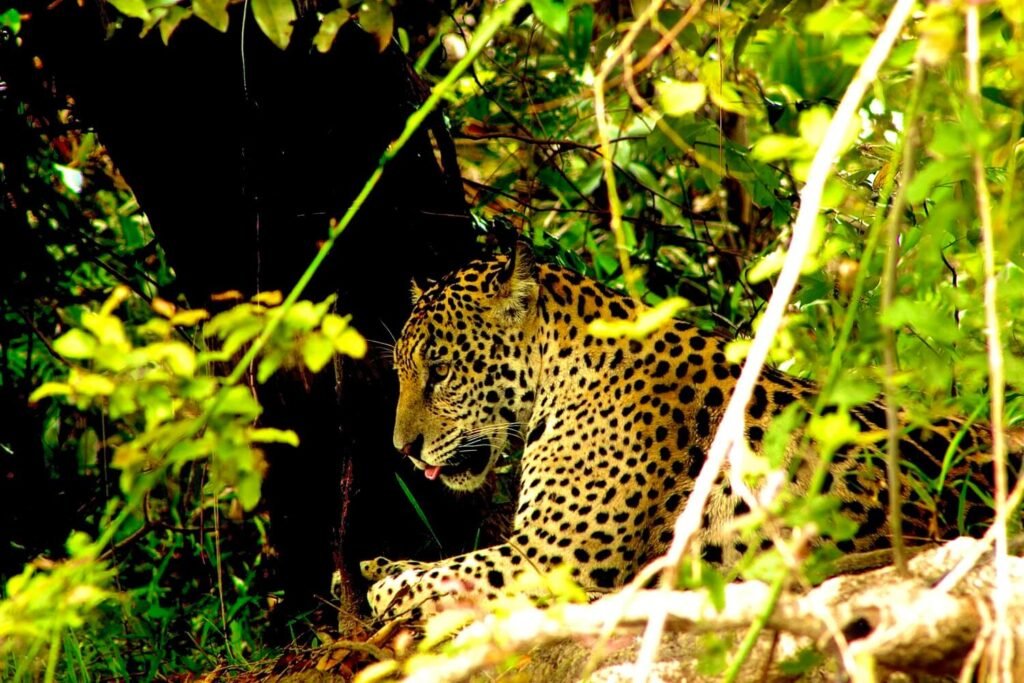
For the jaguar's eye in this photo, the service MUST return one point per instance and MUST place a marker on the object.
(439, 371)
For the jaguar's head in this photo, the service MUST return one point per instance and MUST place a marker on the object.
(464, 369)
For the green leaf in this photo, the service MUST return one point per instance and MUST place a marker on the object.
(760, 20)
(248, 490)
(835, 19)
(131, 8)
(271, 435)
(921, 316)
(317, 351)
(269, 365)
(376, 19)
(192, 449)
(90, 384)
(275, 17)
(553, 13)
(329, 26)
(775, 147)
(213, 12)
(107, 329)
(178, 356)
(767, 266)
(11, 19)
(239, 401)
(833, 431)
(350, 343)
(75, 344)
(170, 22)
(814, 124)
(48, 389)
(781, 433)
(647, 321)
(677, 98)
(79, 545)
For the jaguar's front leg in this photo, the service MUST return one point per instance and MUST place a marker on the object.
(417, 589)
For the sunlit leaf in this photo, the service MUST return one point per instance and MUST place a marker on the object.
(329, 26)
(375, 17)
(131, 8)
(213, 12)
(271, 298)
(677, 98)
(350, 343)
(553, 13)
(275, 17)
(317, 351)
(238, 400)
(189, 318)
(647, 321)
(767, 266)
(248, 490)
(270, 435)
(48, 389)
(108, 329)
(836, 19)
(90, 384)
(175, 15)
(75, 344)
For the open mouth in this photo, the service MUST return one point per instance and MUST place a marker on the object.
(470, 456)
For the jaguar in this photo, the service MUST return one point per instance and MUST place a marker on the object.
(614, 432)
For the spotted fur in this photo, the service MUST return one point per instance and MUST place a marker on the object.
(615, 431)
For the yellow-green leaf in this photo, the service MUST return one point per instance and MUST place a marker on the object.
(647, 321)
(238, 401)
(192, 449)
(213, 12)
(131, 8)
(275, 17)
(329, 26)
(677, 98)
(169, 23)
(48, 389)
(269, 365)
(271, 298)
(75, 344)
(90, 384)
(375, 18)
(189, 318)
(773, 147)
(350, 343)
(107, 329)
(813, 125)
(248, 491)
(271, 435)
(317, 351)
(766, 267)
(180, 357)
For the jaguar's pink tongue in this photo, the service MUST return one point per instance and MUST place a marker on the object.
(431, 473)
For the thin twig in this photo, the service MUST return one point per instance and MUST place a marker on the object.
(731, 427)
(629, 276)
(1002, 641)
(889, 275)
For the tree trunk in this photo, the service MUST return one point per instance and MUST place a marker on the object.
(240, 154)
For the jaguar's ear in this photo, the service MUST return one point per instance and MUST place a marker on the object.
(415, 291)
(517, 285)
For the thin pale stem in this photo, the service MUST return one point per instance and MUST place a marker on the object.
(1002, 635)
(731, 428)
(890, 274)
(629, 276)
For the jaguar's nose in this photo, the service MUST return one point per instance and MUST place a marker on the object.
(413, 448)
